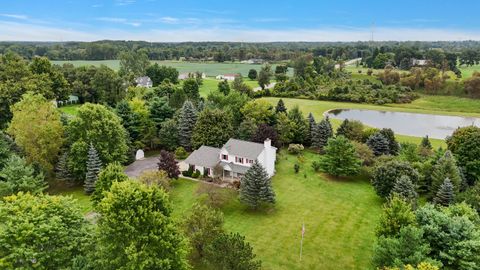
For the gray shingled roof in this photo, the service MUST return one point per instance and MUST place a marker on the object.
(204, 156)
(241, 148)
(235, 167)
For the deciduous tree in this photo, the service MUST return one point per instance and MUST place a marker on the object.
(167, 163)
(340, 158)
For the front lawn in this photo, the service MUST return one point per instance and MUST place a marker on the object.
(339, 215)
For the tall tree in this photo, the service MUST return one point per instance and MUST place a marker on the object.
(465, 145)
(264, 132)
(301, 128)
(256, 186)
(160, 73)
(186, 124)
(393, 146)
(160, 110)
(224, 87)
(280, 108)
(321, 133)
(168, 135)
(43, 232)
(37, 128)
(107, 176)
(202, 226)
(191, 89)
(445, 194)
(340, 158)
(264, 76)
(130, 120)
(167, 163)
(445, 168)
(231, 251)
(379, 144)
(133, 64)
(18, 176)
(386, 174)
(97, 125)
(94, 165)
(136, 230)
(259, 110)
(311, 126)
(109, 86)
(285, 129)
(213, 128)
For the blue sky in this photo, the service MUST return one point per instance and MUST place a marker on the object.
(207, 20)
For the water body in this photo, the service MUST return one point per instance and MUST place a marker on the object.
(413, 124)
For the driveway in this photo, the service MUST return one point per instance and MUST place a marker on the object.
(136, 168)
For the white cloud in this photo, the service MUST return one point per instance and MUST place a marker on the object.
(30, 32)
(124, 2)
(169, 20)
(15, 16)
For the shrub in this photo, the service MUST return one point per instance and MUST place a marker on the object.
(181, 153)
(387, 173)
(296, 167)
(196, 174)
(295, 149)
(316, 166)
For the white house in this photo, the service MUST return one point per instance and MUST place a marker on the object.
(228, 77)
(144, 81)
(234, 158)
(419, 62)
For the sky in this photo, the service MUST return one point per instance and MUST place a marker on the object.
(239, 21)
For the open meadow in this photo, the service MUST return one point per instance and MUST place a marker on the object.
(211, 69)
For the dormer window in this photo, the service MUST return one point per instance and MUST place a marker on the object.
(225, 157)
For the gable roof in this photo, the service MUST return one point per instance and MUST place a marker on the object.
(204, 156)
(240, 148)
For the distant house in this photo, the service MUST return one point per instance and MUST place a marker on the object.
(234, 158)
(183, 76)
(419, 62)
(228, 77)
(144, 81)
(253, 61)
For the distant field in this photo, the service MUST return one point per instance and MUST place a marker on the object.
(468, 71)
(212, 69)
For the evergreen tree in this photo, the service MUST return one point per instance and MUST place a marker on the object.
(160, 111)
(130, 120)
(224, 87)
(445, 194)
(405, 189)
(61, 169)
(393, 146)
(300, 126)
(167, 163)
(280, 108)
(186, 124)
(379, 144)
(321, 133)
(94, 165)
(256, 187)
(426, 143)
(232, 252)
(342, 129)
(445, 168)
(340, 158)
(311, 126)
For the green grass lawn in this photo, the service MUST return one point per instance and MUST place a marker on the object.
(468, 71)
(210, 68)
(339, 214)
(76, 192)
(211, 85)
(70, 109)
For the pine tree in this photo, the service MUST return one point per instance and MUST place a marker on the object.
(94, 165)
(280, 108)
(321, 133)
(393, 146)
(256, 187)
(405, 188)
(445, 194)
(61, 169)
(445, 168)
(311, 126)
(379, 144)
(426, 143)
(342, 129)
(186, 124)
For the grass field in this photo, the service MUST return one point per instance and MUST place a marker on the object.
(70, 109)
(211, 69)
(210, 85)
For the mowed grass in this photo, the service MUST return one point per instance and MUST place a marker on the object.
(211, 69)
(70, 109)
(467, 72)
(340, 216)
(76, 192)
(211, 85)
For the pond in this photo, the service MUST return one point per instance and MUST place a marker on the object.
(412, 124)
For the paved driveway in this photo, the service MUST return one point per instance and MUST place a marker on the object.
(136, 168)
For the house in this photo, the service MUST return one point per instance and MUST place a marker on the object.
(186, 75)
(144, 81)
(233, 159)
(419, 62)
(228, 77)
(253, 61)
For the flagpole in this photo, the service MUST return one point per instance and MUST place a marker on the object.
(301, 241)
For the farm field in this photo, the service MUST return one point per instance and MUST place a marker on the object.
(211, 69)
